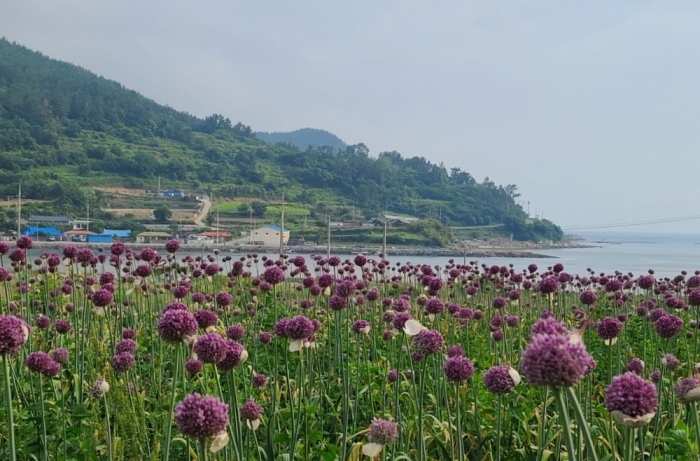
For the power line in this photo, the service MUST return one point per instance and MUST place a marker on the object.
(635, 223)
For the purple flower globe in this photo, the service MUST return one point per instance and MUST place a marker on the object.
(172, 246)
(434, 306)
(210, 348)
(687, 390)
(694, 298)
(194, 366)
(175, 325)
(205, 318)
(548, 325)
(273, 275)
(427, 342)
(635, 366)
(458, 368)
(383, 432)
(337, 303)
(631, 399)
(259, 381)
(128, 333)
(42, 322)
(102, 298)
(455, 351)
(60, 355)
(224, 299)
(200, 417)
(62, 326)
(609, 328)
(40, 362)
(251, 410)
(498, 303)
(548, 285)
(498, 335)
(235, 332)
(265, 337)
(553, 360)
(501, 379)
(361, 327)
(668, 326)
(671, 362)
(123, 362)
(235, 355)
(588, 297)
(125, 345)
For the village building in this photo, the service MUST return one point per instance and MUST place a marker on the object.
(153, 237)
(264, 236)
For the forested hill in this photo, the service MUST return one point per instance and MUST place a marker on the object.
(304, 138)
(63, 129)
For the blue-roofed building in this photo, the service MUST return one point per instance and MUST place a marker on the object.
(35, 230)
(117, 233)
(98, 238)
(173, 193)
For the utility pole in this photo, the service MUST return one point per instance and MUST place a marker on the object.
(282, 230)
(87, 226)
(384, 245)
(250, 241)
(328, 216)
(19, 210)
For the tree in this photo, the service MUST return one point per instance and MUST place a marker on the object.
(162, 213)
(259, 209)
(244, 208)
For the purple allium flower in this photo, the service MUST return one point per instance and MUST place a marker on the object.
(360, 260)
(325, 280)
(609, 328)
(205, 318)
(455, 351)
(635, 366)
(128, 333)
(501, 379)
(24, 243)
(345, 289)
(251, 410)
(235, 355)
(198, 298)
(512, 321)
(148, 254)
(200, 417)
(62, 326)
(210, 348)
(361, 327)
(175, 306)
(656, 314)
(548, 285)
(498, 303)
(400, 305)
(235, 332)
(671, 362)
(694, 298)
(392, 376)
(299, 327)
(668, 326)
(273, 275)
(400, 320)
(553, 360)
(434, 306)
(458, 368)
(588, 297)
(172, 246)
(60, 355)
(383, 432)
(40, 362)
(212, 270)
(194, 366)
(102, 298)
(646, 282)
(180, 292)
(372, 295)
(427, 342)
(655, 376)
(631, 400)
(143, 270)
(125, 345)
(265, 337)
(224, 299)
(174, 325)
(4, 248)
(123, 362)
(259, 381)
(42, 322)
(337, 303)
(688, 389)
(548, 325)
(498, 335)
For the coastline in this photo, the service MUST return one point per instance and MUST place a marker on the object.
(488, 249)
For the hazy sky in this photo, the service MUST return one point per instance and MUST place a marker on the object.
(591, 108)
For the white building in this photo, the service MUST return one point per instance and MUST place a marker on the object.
(266, 236)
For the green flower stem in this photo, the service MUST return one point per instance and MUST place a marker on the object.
(460, 439)
(499, 422)
(8, 402)
(169, 421)
(582, 424)
(45, 445)
(565, 423)
(109, 428)
(629, 446)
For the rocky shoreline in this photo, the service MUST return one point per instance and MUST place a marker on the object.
(490, 251)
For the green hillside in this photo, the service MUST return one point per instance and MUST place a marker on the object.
(304, 138)
(64, 129)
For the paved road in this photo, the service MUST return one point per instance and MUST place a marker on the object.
(206, 206)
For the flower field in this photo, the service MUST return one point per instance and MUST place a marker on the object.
(126, 355)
